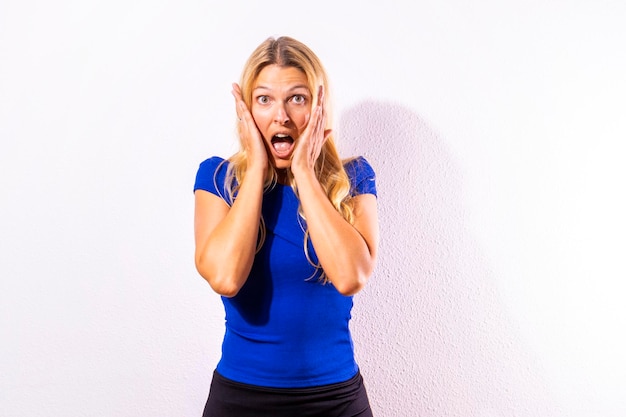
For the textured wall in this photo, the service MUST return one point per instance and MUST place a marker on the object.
(497, 131)
(431, 327)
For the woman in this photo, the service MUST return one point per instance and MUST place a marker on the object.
(286, 233)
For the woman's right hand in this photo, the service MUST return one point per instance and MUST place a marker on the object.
(251, 138)
(226, 236)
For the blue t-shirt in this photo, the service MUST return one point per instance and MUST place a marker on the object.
(285, 328)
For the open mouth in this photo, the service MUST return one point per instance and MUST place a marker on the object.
(282, 144)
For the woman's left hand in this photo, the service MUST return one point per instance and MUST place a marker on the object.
(309, 144)
(345, 250)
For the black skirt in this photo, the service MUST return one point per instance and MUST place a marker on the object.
(228, 398)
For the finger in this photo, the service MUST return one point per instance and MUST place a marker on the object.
(236, 92)
(322, 115)
(321, 121)
(243, 113)
(318, 136)
(320, 95)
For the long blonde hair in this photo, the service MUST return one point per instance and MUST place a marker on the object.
(288, 52)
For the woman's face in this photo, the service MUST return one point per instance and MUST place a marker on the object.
(281, 108)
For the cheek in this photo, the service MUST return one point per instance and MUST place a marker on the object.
(260, 119)
(256, 114)
(303, 120)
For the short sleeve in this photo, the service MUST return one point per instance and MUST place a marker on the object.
(362, 176)
(211, 177)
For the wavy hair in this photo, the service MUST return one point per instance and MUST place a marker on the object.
(285, 51)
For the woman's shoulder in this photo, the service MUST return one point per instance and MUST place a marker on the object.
(211, 174)
(214, 165)
(357, 165)
(361, 174)
(213, 161)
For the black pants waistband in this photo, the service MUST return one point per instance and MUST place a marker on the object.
(229, 398)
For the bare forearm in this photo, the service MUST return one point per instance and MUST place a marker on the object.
(225, 257)
(342, 251)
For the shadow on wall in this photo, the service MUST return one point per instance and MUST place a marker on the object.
(431, 334)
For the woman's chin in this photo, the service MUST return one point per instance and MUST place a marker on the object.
(280, 163)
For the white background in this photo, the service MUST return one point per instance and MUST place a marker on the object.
(497, 130)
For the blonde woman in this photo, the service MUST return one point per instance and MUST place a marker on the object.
(286, 232)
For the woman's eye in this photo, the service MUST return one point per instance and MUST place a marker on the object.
(298, 99)
(263, 99)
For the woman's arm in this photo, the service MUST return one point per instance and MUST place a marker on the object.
(347, 252)
(226, 237)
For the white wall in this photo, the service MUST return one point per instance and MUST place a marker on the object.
(497, 130)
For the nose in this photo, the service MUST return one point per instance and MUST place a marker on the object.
(281, 115)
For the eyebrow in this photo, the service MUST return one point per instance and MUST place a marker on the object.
(295, 87)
